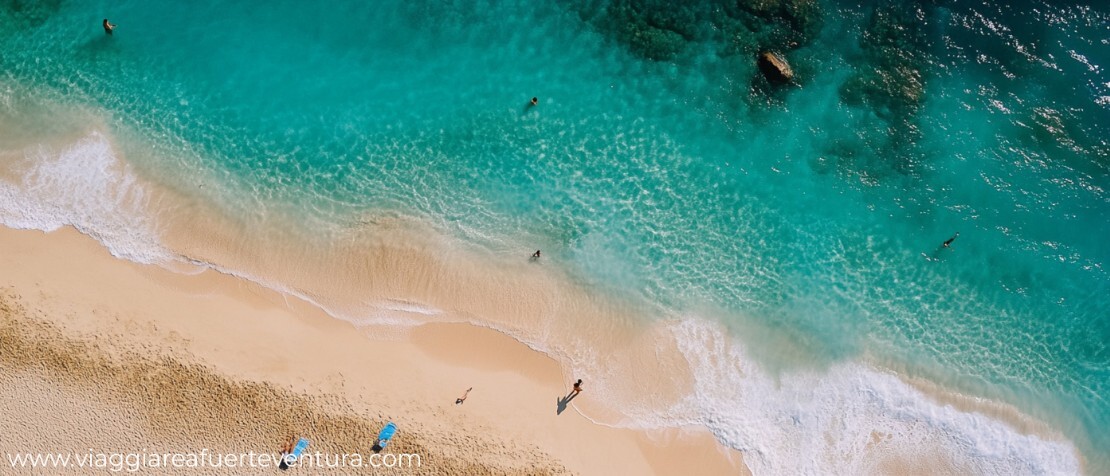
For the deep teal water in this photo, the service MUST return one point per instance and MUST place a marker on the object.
(678, 175)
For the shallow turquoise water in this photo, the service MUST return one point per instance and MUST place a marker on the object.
(816, 209)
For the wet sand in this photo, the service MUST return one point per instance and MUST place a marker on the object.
(101, 353)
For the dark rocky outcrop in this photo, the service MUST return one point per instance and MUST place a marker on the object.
(775, 68)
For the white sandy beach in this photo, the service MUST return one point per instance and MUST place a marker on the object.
(101, 353)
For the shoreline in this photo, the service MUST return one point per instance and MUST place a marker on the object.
(383, 274)
(755, 266)
(244, 334)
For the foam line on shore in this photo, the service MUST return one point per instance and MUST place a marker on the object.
(667, 375)
(853, 417)
(84, 185)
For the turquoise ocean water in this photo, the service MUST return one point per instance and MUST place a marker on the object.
(658, 166)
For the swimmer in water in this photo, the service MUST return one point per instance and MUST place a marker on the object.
(950, 240)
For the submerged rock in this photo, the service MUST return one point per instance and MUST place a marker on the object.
(796, 21)
(656, 30)
(666, 30)
(890, 78)
(775, 68)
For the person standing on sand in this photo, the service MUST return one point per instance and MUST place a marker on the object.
(536, 255)
(460, 400)
(286, 450)
(578, 387)
(108, 26)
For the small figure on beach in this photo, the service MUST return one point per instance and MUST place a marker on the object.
(578, 387)
(950, 240)
(535, 101)
(536, 255)
(286, 450)
(460, 400)
(108, 26)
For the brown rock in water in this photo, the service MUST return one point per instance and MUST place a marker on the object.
(774, 68)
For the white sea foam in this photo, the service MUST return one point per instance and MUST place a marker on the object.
(845, 420)
(396, 314)
(386, 317)
(838, 421)
(85, 186)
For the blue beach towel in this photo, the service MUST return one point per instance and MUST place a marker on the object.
(291, 458)
(386, 434)
(301, 445)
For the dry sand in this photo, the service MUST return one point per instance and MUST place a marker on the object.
(99, 353)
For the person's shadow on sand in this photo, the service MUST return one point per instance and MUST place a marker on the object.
(561, 403)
